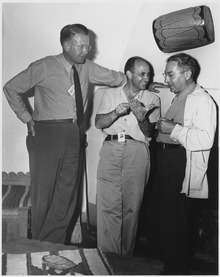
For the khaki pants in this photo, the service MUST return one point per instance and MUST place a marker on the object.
(123, 171)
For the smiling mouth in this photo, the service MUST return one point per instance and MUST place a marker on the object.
(82, 58)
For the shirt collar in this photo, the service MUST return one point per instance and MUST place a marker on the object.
(139, 95)
(64, 62)
(182, 97)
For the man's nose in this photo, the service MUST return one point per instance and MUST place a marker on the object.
(166, 78)
(85, 49)
(146, 77)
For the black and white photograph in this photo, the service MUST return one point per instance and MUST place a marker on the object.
(110, 137)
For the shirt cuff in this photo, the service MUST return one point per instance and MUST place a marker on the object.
(175, 133)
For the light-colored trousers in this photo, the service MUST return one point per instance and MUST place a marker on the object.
(123, 171)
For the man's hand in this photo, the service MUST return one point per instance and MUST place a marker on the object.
(138, 109)
(122, 109)
(154, 85)
(30, 125)
(165, 126)
(103, 121)
(150, 109)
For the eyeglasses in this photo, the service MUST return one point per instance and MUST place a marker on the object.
(171, 75)
(81, 47)
(142, 74)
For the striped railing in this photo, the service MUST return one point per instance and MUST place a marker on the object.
(15, 205)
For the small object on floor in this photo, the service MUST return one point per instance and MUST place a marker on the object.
(85, 261)
(57, 262)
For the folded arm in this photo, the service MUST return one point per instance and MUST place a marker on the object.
(200, 134)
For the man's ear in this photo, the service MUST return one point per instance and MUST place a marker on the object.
(128, 74)
(188, 74)
(66, 46)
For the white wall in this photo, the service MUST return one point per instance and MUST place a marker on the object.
(123, 29)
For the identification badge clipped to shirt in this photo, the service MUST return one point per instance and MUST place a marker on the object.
(121, 137)
(71, 90)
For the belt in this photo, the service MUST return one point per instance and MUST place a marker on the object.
(52, 121)
(115, 137)
(168, 145)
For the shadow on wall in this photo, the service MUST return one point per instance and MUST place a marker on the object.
(212, 173)
(209, 216)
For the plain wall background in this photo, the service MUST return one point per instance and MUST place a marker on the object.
(123, 29)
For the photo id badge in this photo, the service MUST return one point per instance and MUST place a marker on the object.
(121, 137)
(71, 90)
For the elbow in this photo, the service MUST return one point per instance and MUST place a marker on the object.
(207, 140)
(98, 124)
(5, 89)
(201, 143)
(7, 92)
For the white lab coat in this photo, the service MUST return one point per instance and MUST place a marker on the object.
(197, 136)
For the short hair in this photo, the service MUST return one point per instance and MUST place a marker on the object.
(130, 64)
(187, 62)
(70, 30)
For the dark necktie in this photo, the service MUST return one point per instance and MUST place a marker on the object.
(78, 97)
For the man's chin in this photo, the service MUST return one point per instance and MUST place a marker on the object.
(143, 87)
(172, 89)
(81, 60)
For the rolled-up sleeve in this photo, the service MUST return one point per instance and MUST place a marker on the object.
(21, 83)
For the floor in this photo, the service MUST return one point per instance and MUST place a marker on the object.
(146, 260)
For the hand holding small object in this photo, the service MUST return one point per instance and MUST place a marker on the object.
(138, 109)
(122, 109)
(165, 125)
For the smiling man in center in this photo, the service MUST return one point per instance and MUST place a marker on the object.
(127, 116)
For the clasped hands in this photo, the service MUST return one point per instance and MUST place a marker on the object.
(165, 125)
(137, 107)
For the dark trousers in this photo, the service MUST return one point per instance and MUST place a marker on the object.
(56, 180)
(173, 209)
